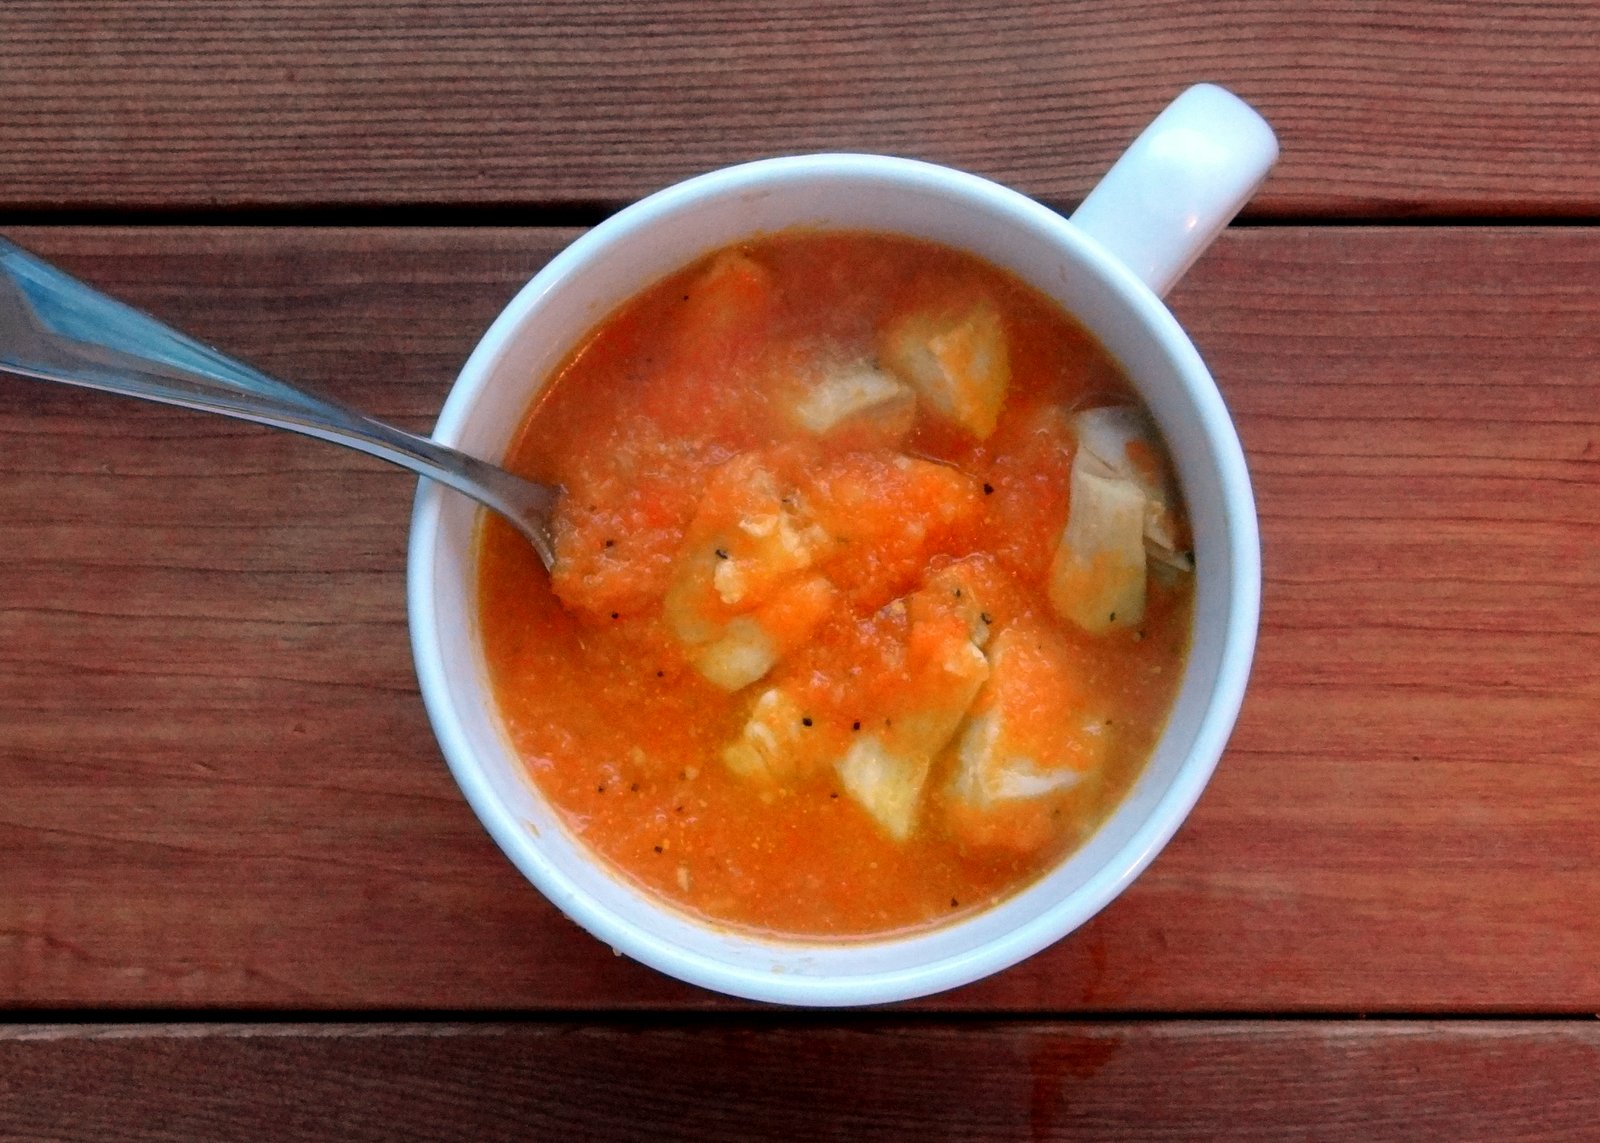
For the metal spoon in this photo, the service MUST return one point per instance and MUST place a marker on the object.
(56, 328)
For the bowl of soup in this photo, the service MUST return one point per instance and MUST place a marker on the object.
(906, 570)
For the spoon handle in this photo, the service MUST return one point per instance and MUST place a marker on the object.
(56, 328)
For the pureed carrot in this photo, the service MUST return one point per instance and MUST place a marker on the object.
(798, 667)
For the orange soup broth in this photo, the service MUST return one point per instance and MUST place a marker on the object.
(624, 737)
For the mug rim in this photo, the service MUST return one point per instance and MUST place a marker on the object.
(1160, 821)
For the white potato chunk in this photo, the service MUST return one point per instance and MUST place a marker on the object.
(1011, 748)
(887, 785)
(772, 540)
(992, 769)
(1097, 578)
(1029, 743)
(886, 769)
(1105, 434)
(772, 746)
(957, 361)
(743, 653)
(955, 584)
(850, 392)
(1121, 442)
(929, 727)
(742, 592)
(1122, 514)
(951, 668)
(685, 603)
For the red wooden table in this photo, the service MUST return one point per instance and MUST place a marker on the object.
(240, 895)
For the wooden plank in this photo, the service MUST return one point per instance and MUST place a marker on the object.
(220, 788)
(1416, 107)
(746, 1081)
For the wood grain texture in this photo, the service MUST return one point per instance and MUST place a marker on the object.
(745, 1081)
(1410, 108)
(220, 788)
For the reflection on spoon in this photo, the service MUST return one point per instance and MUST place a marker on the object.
(56, 328)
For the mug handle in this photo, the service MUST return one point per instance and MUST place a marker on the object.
(1179, 183)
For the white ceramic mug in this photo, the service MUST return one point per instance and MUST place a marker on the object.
(1157, 209)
